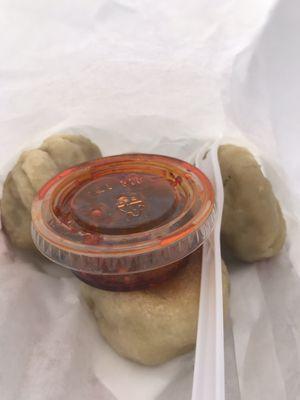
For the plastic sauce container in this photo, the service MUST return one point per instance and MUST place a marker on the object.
(124, 222)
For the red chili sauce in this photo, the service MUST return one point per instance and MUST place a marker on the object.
(124, 222)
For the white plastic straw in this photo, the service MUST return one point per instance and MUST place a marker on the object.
(208, 383)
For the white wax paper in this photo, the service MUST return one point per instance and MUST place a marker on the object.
(144, 75)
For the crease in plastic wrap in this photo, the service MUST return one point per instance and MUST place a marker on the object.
(167, 77)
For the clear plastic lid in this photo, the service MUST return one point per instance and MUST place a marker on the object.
(123, 214)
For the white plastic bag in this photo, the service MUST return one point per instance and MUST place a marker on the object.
(171, 75)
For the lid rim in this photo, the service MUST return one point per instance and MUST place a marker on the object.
(150, 259)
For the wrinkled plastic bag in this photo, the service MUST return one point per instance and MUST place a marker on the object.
(166, 76)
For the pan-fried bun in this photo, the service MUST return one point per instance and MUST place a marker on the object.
(253, 227)
(154, 325)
